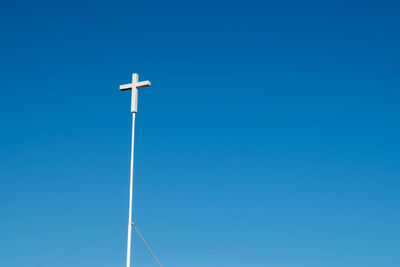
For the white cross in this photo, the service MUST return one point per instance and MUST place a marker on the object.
(134, 87)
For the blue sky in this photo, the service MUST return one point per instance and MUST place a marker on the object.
(269, 137)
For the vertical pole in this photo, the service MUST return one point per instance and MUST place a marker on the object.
(128, 253)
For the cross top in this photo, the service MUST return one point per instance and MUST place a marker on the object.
(134, 87)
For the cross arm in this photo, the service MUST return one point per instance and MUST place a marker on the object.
(137, 85)
(125, 87)
(143, 84)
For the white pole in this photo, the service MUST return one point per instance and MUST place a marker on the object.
(134, 87)
(128, 253)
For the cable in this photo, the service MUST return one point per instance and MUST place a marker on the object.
(141, 237)
(80, 247)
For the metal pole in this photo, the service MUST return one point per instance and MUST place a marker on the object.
(134, 87)
(128, 253)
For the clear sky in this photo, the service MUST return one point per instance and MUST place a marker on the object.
(269, 137)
